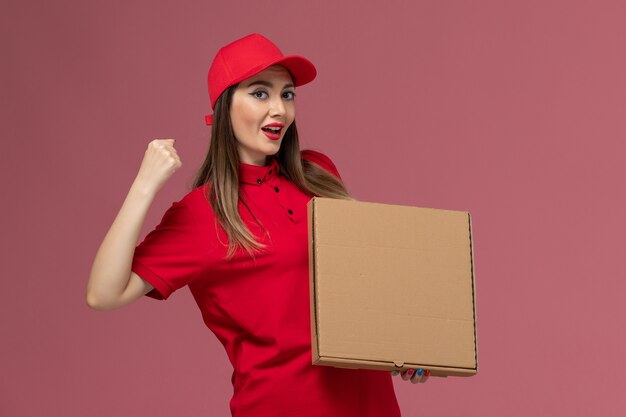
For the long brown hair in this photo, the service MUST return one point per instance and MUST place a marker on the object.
(220, 170)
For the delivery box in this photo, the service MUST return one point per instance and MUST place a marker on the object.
(392, 287)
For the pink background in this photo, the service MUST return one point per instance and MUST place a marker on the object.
(513, 111)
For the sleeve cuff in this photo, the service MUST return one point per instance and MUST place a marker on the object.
(161, 290)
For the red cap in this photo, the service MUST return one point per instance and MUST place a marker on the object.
(248, 56)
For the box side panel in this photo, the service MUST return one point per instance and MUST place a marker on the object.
(469, 219)
(440, 371)
(313, 314)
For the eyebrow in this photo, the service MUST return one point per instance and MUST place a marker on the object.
(268, 84)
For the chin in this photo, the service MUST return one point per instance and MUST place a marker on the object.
(272, 148)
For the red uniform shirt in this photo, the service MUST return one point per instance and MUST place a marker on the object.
(259, 309)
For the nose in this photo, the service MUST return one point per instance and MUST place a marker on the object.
(277, 107)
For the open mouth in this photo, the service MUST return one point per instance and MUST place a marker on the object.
(274, 130)
(272, 133)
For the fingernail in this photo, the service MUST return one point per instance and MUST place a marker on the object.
(394, 373)
(410, 372)
(420, 371)
(427, 372)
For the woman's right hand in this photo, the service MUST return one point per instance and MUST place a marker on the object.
(160, 161)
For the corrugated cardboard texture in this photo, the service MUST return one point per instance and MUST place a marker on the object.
(392, 287)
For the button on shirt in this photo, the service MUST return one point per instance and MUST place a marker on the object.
(259, 309)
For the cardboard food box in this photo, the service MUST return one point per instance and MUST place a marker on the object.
(392, 287)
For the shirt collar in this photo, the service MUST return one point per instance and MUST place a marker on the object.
(258, 174)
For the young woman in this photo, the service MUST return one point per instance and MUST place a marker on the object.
(238, 240)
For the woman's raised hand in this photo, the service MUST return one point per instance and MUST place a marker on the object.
(160, 161)
(420, 376)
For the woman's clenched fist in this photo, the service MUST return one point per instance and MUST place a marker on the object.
(160, 161)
